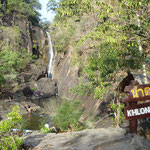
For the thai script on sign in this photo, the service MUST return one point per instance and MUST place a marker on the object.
(137, 92)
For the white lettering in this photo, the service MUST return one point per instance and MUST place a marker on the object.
(137, 112)
(142, 110)
(134, 112)
(147, 110)
(129, 113)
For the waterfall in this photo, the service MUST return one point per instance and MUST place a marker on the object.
(51, 54)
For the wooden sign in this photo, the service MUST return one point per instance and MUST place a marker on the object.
(137, 93)
(137, 111)
(134, 111)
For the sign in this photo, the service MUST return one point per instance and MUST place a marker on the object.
(137, 111)
(137, 93)
(134, 111)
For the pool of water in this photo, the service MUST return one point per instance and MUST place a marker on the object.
(34, 121)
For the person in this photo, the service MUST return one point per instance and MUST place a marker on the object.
(29, 109)
(56, 89)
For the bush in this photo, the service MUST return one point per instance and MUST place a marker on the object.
(11, 63)
(114, 107)
(68, 115)
(45, 130)
(8, 141)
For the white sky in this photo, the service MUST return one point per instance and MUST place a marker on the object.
(48, 15)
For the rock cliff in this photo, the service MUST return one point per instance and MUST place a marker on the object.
(67, 76)
(18, 33)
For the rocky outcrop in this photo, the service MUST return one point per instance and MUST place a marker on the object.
(33, 72)
(18, 33)
(67, 76)
(33, 38)
(89, 139)
(36, 90)
(45, 85)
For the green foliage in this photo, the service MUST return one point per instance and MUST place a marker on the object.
(1, 10)
(68, 115)
(114, 107)
(45, 130)
(25, 7)
(12, 37)
(34, 46)
(100, 91)
(114, 37)
(7, 139)
(52, 5)
(64, 37)
(117, 42)
(67, 8)
(45, 24)
(84, 88)
(62, 43)
(11, 62)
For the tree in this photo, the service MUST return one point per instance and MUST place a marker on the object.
(117, 32)
(24, 7)
(52, 5)
(119, 39)
(7, 139)
(68, 115)
(11, 62)
(69, 7)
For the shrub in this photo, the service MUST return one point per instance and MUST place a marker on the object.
(11, 63)
(115, 107)
(68, 115)
(45, 130)
(7, 139)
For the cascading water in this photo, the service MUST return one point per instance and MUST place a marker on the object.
(51, 54)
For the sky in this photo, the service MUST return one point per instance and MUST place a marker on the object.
(48, 15)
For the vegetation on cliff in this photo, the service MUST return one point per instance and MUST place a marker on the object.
(15, 52)
(26, 8)
(113, 36)
(13, 59)
(107, 37)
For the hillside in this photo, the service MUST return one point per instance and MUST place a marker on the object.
(96, 49)
(96, 44)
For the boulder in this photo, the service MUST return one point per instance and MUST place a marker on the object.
(89, 139)
(44, 86)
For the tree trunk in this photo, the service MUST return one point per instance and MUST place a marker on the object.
(118, 112)
(141, 50)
